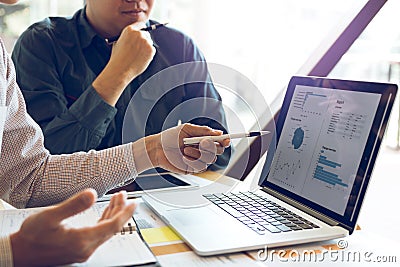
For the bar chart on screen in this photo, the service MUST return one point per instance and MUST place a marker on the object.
(326, 171)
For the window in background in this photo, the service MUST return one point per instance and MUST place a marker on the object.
(375, 56)
(267, 41)
(14, 19)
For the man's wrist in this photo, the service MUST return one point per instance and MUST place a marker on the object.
(110, 85)
(145, 153)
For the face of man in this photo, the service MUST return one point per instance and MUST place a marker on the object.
(110, 17)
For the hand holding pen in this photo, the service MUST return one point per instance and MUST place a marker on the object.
(130, 56)
(197, 140)
(111, 41)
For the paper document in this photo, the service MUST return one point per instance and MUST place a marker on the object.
(123, 249)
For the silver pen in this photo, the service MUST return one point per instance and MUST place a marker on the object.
(197, 140)
(112, 40)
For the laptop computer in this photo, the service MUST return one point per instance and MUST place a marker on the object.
(314, 178)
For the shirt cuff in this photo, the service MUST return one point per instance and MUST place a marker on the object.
(92, 111)
(6, 258)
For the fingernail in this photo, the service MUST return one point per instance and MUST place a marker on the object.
(124, 193)
(88, 198)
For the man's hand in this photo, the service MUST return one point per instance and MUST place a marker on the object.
(131, 55)
(166, 150)
(133, 51)
(43, 240)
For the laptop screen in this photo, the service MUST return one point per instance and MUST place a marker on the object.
(328, 134)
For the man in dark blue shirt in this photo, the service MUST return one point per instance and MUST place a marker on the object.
(79, 88)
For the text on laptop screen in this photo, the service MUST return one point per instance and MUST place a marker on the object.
(322, 142)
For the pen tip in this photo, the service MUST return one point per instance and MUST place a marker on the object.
(253, 134)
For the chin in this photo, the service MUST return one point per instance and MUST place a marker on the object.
(136, 17)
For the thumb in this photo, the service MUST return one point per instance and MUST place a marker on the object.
(196, 130)
(74, 205)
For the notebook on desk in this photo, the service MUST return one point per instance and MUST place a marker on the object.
(314, 178)
(125, 248)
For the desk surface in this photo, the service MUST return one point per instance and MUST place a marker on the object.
(369, 245)
(362, 247)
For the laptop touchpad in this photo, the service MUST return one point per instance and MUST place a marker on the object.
(197, 216)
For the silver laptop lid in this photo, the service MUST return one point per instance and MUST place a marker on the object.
(327, 138)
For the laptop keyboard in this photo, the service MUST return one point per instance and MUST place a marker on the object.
(260, 214)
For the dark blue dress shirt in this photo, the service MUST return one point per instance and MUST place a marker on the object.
(56, 62)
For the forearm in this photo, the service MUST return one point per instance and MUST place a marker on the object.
(81, 127)
(35, 178)
(111, 82)
(61, 176)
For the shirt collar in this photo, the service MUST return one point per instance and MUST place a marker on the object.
(86, 32)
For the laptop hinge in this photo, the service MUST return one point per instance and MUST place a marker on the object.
(306, 209)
